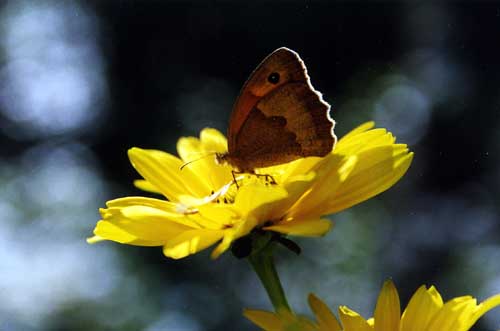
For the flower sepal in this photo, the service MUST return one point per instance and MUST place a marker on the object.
(250, 244)
(258, 239)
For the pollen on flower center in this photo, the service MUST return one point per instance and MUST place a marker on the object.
(264, 178)
(225, 200)
(227, 194)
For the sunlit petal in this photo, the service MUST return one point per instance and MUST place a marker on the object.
(352, 321)
(200, 154)
(423, 305)
(453, 314)
(164, 172)
(331, 172)
(375, 171)
(480, 310)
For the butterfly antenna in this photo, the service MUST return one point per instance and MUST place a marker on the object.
(189, 162)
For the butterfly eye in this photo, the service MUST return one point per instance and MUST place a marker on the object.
(274, 78)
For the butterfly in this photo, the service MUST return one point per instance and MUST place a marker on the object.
(278, 116)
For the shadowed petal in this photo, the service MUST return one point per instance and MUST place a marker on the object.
(264, 319)
(388, 310)
(302, 227)
(191, 242)
(352, 321)
(326, 320)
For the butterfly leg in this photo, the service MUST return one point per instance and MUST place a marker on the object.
(234, 178)
(269, 179)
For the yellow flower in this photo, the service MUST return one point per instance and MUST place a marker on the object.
(425, 312)
(203, 205)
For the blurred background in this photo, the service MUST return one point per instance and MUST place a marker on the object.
(81, 82)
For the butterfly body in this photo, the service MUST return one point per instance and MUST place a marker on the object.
(278, 116)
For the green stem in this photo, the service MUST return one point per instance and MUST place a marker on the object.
(263, 263)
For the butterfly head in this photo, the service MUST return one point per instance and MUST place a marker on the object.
(221, 158)
(239, 165)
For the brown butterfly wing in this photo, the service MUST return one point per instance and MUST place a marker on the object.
(283, 61)
(278, 120)
(259, 145)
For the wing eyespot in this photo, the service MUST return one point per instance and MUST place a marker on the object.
(274, 78)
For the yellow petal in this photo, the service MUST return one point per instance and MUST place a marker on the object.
(483, 308)
(326, 320)
(191, 242)
(423, 305)
(259, 200)
(142, 201)
(142, 209)
(453, 314)
(375, 171)
(163, 171)
(190, 201)
(352, 321)
(264, 319)
(256, 202)
(365, 141)
(94, 239)
(297, 187)
(283, 172)
(332, 171)
(219, 215)
(303, 227)
(125, 232)
(356, 143)
(281, 321)
(230, 235)
(142, 221)
(213, 140)
(146, 186)
(387, 312)
(201, 155)
(360, 129)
